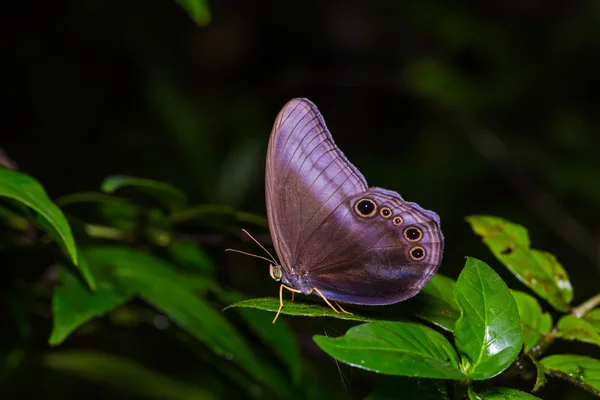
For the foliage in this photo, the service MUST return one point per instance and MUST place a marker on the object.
(492, 327)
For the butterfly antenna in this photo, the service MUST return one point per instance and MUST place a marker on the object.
(261, 246)
(249, 254)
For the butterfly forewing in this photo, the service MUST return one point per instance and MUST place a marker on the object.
(307, 177)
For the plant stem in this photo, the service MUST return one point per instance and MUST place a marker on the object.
(586, 307)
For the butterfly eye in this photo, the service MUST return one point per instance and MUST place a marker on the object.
(397, 221)
(275, 272)
(385, 212)
(413, 234)
(417, 253)
(365, 208)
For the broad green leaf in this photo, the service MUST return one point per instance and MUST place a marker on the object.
(277, 336)
(535, 323)
(593, 318)
(73, 304)
(488, 332)
(211, 210)
(410, 388)
(166, 194)
(537, 269)
(395, 348)
(124, 374)
(197, 9)
(176, 294)
(437, 303)
(188, 254)
(501, 393)
(580, 370)
(572, 328)
(296, 308)
(29, 192)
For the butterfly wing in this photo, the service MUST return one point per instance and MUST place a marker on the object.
(307, 177)
(374, 260)
(322, 239)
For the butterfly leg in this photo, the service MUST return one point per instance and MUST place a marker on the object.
(341, 309)
(324, 298)
(281, 299)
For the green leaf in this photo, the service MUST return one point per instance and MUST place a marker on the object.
(535, 323)
(411, 388)
(211, 210)
(123, 374)
(188, 254)
(593, 318)
(25, 189)
(540, 379)
(437, 303)
(395, 348)
(277, 336)
(166, 194)
(197, 9)
(73, 304)
(572, 328)
(28, 191)
(488, 332)
(539, 270)
(501, 393)
(176, 294)
(119, 212)
(580, 370)
(91, 197)
(296, 308)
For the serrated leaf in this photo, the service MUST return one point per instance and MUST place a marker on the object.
(168, 195)
(539, 270)
(580, 370)
(501, 393)
(395, 348)
(488, 332)
(176, 295)
(572, 328)
(27, 191)
(593, 318)
(437, 303)
(197, 9)
(124, 374)
(535, 323)
(73, 304)
(411, 388)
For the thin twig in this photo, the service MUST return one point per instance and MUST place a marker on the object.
(586, 307)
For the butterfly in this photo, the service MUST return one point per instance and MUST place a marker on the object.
(335, 236)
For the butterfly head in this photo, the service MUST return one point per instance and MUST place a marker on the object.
(275, 272)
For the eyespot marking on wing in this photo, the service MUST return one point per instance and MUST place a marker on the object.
(365, 208)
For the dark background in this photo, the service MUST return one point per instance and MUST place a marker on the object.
(470, 108)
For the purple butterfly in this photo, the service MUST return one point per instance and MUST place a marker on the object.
(336, 236)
